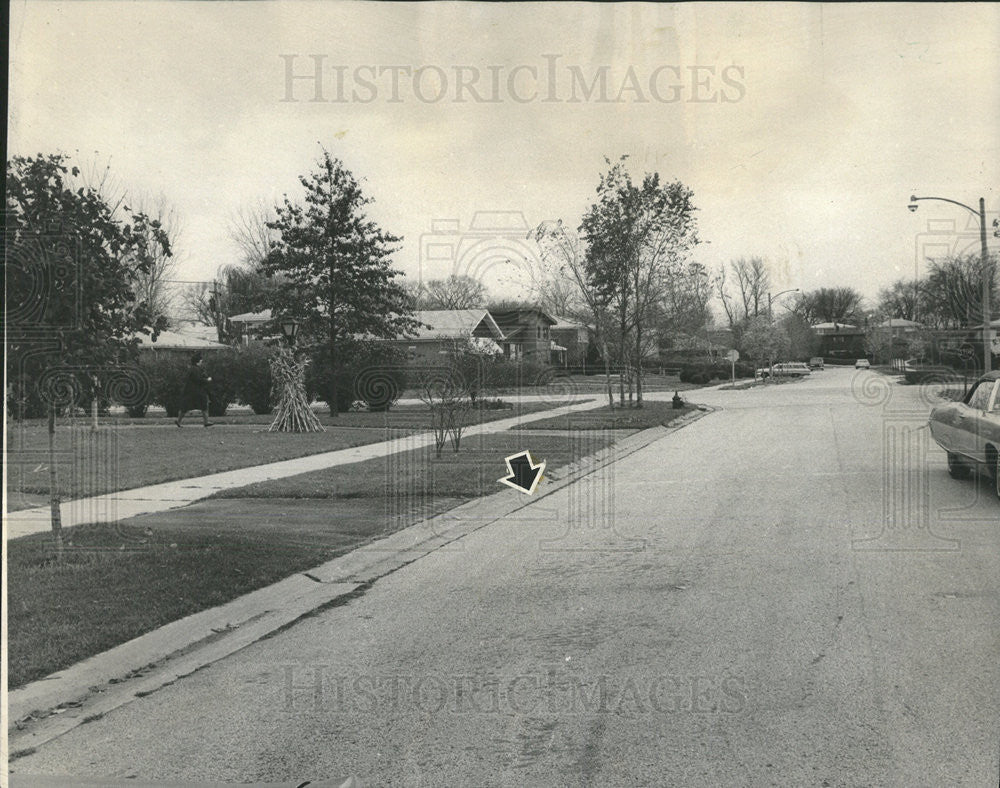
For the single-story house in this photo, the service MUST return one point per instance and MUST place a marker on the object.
(252, 325)
(899, 327)
(442, 327)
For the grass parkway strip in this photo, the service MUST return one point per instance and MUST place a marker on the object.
(118, 581)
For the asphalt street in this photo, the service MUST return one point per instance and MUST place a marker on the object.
(788, 591)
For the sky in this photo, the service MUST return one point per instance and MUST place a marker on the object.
(801, 128)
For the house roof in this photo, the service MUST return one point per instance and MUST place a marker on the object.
(567, 322)
(834, 327)
(456, 324)
(899, 322)
(252, 317)
(510, 317)
(175, 340)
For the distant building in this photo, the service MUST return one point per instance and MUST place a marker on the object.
(899, 328)
(840, 342)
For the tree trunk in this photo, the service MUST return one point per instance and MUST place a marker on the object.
(638, 366)
(54, 486)
(334, 407)
(607, 374)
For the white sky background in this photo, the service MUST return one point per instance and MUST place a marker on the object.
(846, 111)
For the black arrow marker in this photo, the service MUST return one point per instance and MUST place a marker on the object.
(524, 474)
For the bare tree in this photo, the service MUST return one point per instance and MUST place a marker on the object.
(720, 283)
(561, 252)
(249, 229)
(458, 291)
(830, 305)
(754, 282)
(901, 299)
(153, 286)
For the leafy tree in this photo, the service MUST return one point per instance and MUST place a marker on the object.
(803, 342)
(236, 290)
(71, 266)
(762, 340)
(335, 265)
(636, 235)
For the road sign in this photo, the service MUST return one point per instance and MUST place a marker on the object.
(733, 356)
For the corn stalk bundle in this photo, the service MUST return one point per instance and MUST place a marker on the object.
(288, 383)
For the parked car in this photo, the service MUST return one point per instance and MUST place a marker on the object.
(969, 431)
(862, 363)
(788, 369)
(816, 362)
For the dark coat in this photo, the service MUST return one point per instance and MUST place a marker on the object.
(196, 389)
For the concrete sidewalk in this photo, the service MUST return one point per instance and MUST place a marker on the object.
(122, 505)
(50, 707)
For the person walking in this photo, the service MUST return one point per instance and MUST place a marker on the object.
(196, 391)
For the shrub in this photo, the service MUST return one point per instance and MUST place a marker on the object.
(369, 371)
(166, 372)
(253, 377)
(223, 367)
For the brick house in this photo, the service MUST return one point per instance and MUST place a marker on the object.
(443, 327)
(526, 334)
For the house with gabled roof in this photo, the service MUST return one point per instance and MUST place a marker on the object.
(527, 334)
(441, 328)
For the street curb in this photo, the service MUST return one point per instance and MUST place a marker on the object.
(46, 709)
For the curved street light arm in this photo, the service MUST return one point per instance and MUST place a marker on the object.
(971, 210)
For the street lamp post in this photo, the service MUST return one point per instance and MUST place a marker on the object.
(770, 319)
(981, 215)
(290, 328)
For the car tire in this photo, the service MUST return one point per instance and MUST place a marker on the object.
(996, 474)
(956, 468)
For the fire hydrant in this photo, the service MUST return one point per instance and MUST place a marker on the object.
(678, 402)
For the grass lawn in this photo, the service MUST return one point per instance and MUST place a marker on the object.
(651, 414)
(120, 581)
(125, 453)
(418, 474)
